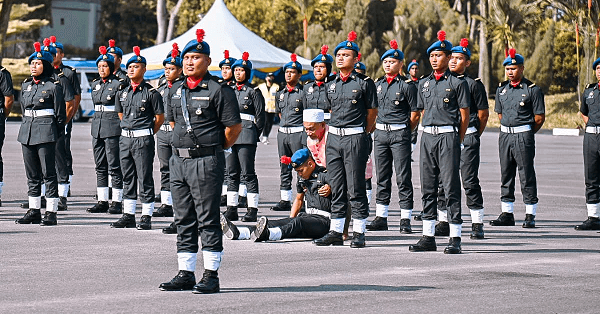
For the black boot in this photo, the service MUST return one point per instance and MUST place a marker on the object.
(358, 240)
(442, 229)
(405, 226)
(171, 229)
(33, 216)
(25, 205)
(453, 246)
(426, 243)
(62, 203)
(477, 231)
(592, 223)
(230, 231)
(529, 221)
(115, 208)
(250, 215)
(49, 219)
(378, 224)
(126, 221)
(231, 213)
(505, 219)
(418, 217)
(184, 280)
(261, 233)
(282, 206)
(242, 202)
(163, 211)
(223, 200)
(208, 284)
(100, 207)
(331, 238)
(145, 223)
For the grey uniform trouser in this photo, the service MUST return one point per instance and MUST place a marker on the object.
(164, 150)
(517, 151)
(137, 158)
(469, 172)
(393, 147)
(196, 189)
(591, 164)
(287, 145)
(346, 163)
(240, 168)
(440, 162)
(40, 166)
(302, 226)
(106, 157)
(62, 167)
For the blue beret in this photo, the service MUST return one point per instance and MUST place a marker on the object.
(393, 53)
(114, 49)
(513, 58)
(300, 157)
(246, 64)
(442, 44)
(228, 61)
(463, 48)
(348, 44)
(595, 64)
(56, 44)
(294, 64)
(411, 64)
(360, 66)
(197, 45)
(136, 58)
(323, 57)
(51, 49)
(105, 57)
(177, 61)
(41, 55)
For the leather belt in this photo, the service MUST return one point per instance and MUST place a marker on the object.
(314, 211)
(471, 130)
(439, 129)
(346, 131)
(247, 117)
(166, 127)
(592, 129)
(291, 129)
(197, 152)
(104, 108)
(390, 127)
(38, 112)
(136, 133)
(515, 129)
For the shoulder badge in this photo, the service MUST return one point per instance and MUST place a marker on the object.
(61, 73)
(121, 80)
(27, 79)
(477, 79)
(461, 76)
(590, 85)
(532, 85)
(408, 81)
(3, 68)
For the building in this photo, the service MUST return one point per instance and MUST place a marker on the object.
(74, 22)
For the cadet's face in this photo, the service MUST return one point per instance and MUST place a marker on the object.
(306, 169)
(240, 74)
(320, 71)
(345, 59)
(103, 69)
(135, 72)
(598, 73)
(36, 67)
(413, 71)
(195, 64)
(439, 60)
(117, 60)
(58, 57)
(172, 72)
(226, 72)
(514, 72)
(392, 66)
(314, 130)
(459, 63)
(292, 76)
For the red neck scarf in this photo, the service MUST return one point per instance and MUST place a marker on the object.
(414, 78)
(515, 84)
(343, 77)
(290, 88)
(319, 83)
(169, 84)
(134, 85)
(193, 82)
(390, 78)
(239, 86)
(438, 76)
(35, 81)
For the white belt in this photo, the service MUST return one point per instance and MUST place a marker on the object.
(439, 129)
(471, 130)
(390, 127)
(104, 108)
(38, 112)
(346, 131)
(592, 129)
(515, 129)
(314, 211)
(292, 129)
(327, 115)
(166, 127)
(247, 117)
(136, 133)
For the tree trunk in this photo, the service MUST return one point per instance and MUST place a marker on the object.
(4, 19)
(161, 20)
(484, 52)
(173, 20)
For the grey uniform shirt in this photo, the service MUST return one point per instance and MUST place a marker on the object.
(396, 100)
(251, 102)
(519, 105)
(104, 92)
(139, 107)
(590, 104)
(442, 99)
(350, 100)
(315, 96)
(310, 187)
(6, 87)
(290, 105)
(72, 77)
(479, 99)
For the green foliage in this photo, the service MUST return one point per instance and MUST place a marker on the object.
(130, 23)
(538, 67)
(564, 61)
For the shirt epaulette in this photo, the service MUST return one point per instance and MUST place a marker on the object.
(362, 76)
(61, 73)
(590, 85)
(422, 76)
(3, 69)
(57, 82)
(121, 80)
(69, 67)
(27, 79)
(408, 81)
(477, 79)
(96, 79)
(503, 83)
(379, 78)
(460, 76)
(532, 85)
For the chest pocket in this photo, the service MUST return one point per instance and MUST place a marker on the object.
(503, 95)
(44, 100)
(449, 98)
(400, 98)
(200, 108)
(355, 97)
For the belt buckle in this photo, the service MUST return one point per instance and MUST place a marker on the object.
(387, 127)
(184, 153)
(130, 133)
(33, 113)
(435, 130)
(342, 131)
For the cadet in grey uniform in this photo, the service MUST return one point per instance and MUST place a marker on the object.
(290, 136)
(117, 53)
(228, 80)
(315, 93)
(590, 111)
(445, 100)
(397, 116)
(44, 117)
(240, 163)
(6, 101)
(106, 131)
(469, 154)
(521, 109)
(353, 100)
(209, 123)
(140, 108)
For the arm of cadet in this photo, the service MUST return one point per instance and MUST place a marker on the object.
(371, 117)
(325, 190)
(539, 121)
(483, 119)
(231, 135)
(73, 107)
(297, 205)
(585, 118)
(8, 103)
(159, 119)
(120, 116)
(464, 123)
(414, 119)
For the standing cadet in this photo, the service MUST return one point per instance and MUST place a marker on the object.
(397, 116)
(521, 109)
(173, 73)
(268, 89)
(353, 101)
(117, 53)
(360, 67)
(413, 70)
(590, 112)
(209, 123)
(445, 100)
(6, 101)
(315, 93)
(140, 109)
(106, 131)
(290, 136)
(228, 80)
(44, 117)
(241, 161)
(469, 154)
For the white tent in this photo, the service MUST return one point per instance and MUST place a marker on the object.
(224, 32)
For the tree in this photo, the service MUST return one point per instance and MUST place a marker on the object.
(130, 23)
(539, 66)
(166, 24)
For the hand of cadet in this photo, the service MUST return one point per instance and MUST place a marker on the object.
(325, 190)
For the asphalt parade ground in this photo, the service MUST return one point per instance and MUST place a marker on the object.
(84, 266)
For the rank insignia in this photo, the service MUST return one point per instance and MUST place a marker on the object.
(124, 95)
(426, 84)
(310, 89)
(446, 100)
(178, 92)
(521, 104)
(29, 88)
(98, 87)
(198, 111)
(162, 92)
(379, 88)
(332, 87)
(591, 95)
(503, 92)
(108, 98)
(142, 109)
(281, 97)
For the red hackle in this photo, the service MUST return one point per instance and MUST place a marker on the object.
(359, 56)
(200, 35)
(37, 46)
(111, 43)
(136, 50)
(464, 43)
(286, 160)
(102, 50)
(245, 56)
(53, 39)
(46, 42)
(394, 44)
(414, 60)
(441, 35)
(512, 52)
(174, 52)
(294, 57)
(352, 36)
(324, 49)
(226, 54)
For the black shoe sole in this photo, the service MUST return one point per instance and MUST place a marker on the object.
(48, 224)
(477, 237)
(452, 251)
(357, 245)
(377, 229)
(121, 227)
(413, 249)
(495, 224)
(406, 231)
(168, 231)
(36, 222)
(196, 291)
(139, 227)
(177, 289)
(330, 244)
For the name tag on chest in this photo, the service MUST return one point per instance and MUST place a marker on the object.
(200, 98)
